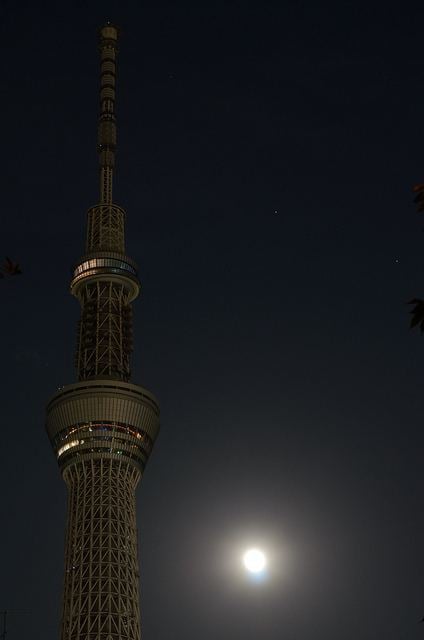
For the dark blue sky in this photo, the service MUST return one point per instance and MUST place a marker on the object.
(266, 156)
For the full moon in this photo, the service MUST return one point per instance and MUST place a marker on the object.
(254, 560)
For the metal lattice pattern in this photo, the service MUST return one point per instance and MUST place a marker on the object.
(106, 141)
(102, 430)
(101, 599)
(105, 331)
(105, 228)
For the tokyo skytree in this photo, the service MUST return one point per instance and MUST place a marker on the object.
(102, 428)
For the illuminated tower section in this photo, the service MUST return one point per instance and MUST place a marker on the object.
(102, 428)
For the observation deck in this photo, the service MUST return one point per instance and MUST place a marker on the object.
(106, 265)
(102, 419)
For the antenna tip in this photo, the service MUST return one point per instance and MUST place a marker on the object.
(109, 31)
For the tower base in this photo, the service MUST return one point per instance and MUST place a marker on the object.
(102, 432)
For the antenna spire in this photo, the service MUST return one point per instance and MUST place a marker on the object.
(106, 137)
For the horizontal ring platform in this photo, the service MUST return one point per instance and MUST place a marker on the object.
(103, 267)
(102, 419)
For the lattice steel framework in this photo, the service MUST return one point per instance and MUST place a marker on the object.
(101, 597)
(105, 280)
(102, 429)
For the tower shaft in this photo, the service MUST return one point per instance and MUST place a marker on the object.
(102, 429)
(101, 598)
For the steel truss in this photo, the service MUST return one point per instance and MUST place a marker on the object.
(105, 331)
(101, 597)
(105, 228)
(102, 429)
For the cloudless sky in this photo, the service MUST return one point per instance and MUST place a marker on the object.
(266, 155)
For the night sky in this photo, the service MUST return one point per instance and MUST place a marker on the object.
(266, 155)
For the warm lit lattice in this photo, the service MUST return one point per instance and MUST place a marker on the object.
(105, 228)
(101, 600)
(102, 431)
(105, 331)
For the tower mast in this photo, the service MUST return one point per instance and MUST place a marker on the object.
(102, 428)
(106, 138)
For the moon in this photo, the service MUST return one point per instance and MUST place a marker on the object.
(254, 560)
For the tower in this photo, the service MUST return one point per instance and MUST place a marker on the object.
(102, 428)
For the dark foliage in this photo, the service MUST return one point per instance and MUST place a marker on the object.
(417, 312)
(10, 268)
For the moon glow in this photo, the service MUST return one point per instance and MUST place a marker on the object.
(254, 560)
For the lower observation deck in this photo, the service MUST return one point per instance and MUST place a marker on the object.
(102, 419)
